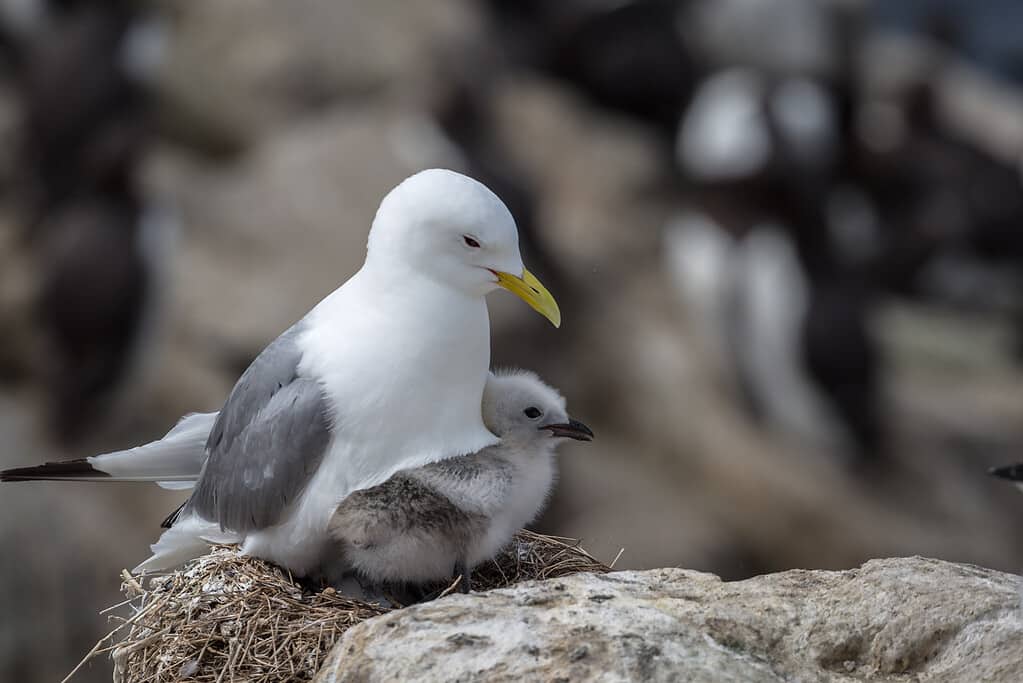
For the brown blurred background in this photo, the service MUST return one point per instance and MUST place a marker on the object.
(785, 235)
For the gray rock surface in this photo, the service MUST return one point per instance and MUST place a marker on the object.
(301, 201)
(254, 65)
(903, 619)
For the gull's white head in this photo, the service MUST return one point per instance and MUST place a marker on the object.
(453, 230)
(525, 412)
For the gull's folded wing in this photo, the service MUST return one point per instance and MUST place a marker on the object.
(266, 444)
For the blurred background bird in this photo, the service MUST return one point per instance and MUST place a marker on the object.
(82, 70)
(785, 235)
(1013, 473)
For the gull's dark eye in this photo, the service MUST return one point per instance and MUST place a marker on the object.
(532, 413)
(470, 242)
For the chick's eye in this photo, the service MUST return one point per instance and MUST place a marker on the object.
(470, 242)
(532, 413)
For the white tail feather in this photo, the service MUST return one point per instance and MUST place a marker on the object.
(176, 485)
(174, 462)
(187, 539)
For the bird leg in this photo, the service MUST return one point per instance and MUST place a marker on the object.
(462, 570)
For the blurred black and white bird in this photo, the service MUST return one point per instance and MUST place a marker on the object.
(629, 56)
(770, 266)
(83, 70)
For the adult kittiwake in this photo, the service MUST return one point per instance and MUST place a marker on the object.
(386, 373)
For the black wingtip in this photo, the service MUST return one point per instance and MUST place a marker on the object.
(1010, 472)
(69, 469)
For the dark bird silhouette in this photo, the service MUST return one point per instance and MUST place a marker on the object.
(85, 130)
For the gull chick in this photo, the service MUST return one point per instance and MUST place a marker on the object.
(441, 520)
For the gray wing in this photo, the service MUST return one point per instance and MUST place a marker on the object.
(266, 444)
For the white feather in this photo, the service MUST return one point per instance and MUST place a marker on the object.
(188, 538)
(174, 461)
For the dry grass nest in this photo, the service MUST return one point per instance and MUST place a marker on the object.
(225, 617)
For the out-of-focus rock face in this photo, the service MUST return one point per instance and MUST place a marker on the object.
(890, 620)
(62, 546)
(252, 66)
(270, 236)
(595, 173)
(673, 440)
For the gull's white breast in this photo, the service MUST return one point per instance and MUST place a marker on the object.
(403, 371)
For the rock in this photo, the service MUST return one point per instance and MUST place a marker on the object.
(63, 544)
(597, 176)
(253, 65)
(889, 620)
(10, 129)
(18, 282)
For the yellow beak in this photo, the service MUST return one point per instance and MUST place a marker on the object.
(532, 291)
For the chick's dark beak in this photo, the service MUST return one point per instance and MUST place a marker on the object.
(573, 429)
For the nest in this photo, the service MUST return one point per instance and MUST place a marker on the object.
(225, 617)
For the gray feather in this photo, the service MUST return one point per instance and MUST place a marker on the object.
(403, 505)
(267, 442)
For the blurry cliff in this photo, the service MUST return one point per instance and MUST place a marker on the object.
(786, 242)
